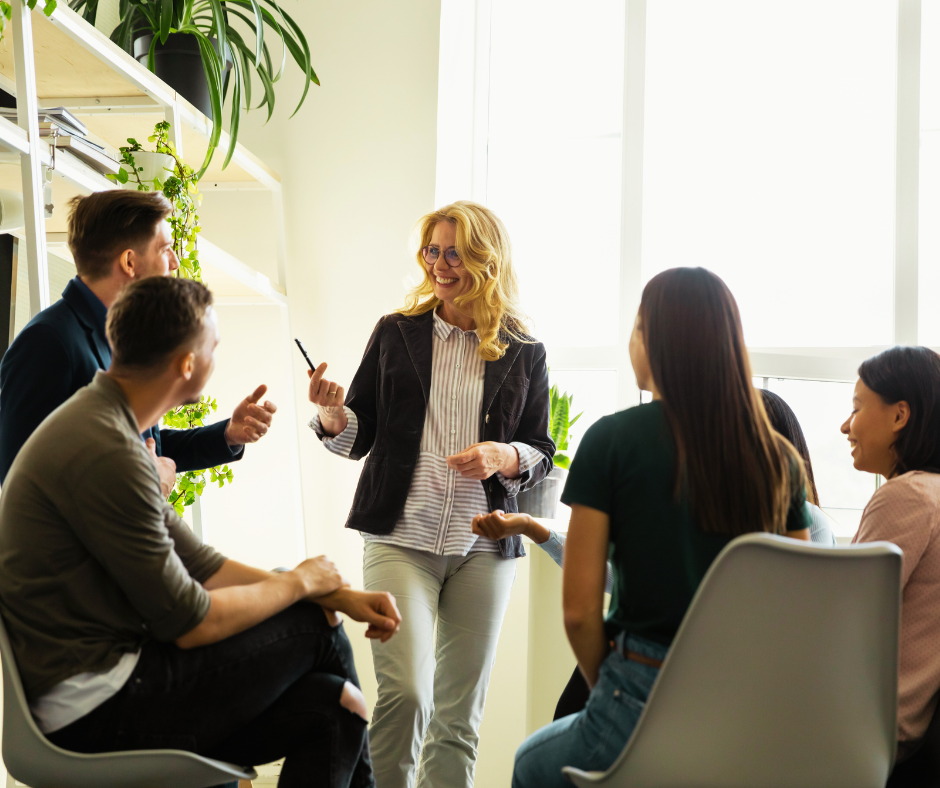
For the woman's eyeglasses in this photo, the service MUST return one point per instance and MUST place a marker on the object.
(432, 254)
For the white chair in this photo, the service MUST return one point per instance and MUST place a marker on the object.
(782, 675)
(31, 759)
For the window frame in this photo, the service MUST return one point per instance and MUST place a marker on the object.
(838, 364)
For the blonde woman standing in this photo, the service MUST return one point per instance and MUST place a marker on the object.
(450, 403)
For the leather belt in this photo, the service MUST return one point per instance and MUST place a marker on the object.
(634, 656)
(643, 659)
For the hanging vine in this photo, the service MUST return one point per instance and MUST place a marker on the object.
(181, 187)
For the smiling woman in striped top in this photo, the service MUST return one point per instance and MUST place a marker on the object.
(450, 403)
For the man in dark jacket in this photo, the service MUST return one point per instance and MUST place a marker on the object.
(115, 237)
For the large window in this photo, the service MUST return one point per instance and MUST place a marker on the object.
(775, 144)
(769, 159)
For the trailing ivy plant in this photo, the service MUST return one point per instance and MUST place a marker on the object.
(190, 485)
(182, 190)
(6, 11)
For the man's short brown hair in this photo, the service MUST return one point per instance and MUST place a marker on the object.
(104, 224)
(154, 318)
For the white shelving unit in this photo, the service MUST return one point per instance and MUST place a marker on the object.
(63, 61)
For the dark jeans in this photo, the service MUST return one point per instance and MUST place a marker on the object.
(270, 692)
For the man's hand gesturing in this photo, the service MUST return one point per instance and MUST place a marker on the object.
(250, 421)
(166, 469)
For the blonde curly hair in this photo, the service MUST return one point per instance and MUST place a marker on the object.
(493, 299)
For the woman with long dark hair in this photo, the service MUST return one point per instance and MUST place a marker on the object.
(783, 420)
(894, 430)
(662, 488)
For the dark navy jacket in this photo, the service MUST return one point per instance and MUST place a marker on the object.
(57, 353)
(389, 395)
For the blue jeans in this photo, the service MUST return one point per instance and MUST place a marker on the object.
(591, 739)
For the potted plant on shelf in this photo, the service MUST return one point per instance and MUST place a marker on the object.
(163, 169)
(173, 38)
(542, 500)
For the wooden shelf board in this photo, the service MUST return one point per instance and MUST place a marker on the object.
(75, 61)
(225, 275)
(115, 130)
(66, 68)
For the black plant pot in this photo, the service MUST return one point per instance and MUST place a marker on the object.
(179, 64)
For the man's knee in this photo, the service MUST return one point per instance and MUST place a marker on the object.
(352, 700)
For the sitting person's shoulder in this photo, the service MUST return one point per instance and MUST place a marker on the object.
(914, 488)
(639, 422)
(636, 426)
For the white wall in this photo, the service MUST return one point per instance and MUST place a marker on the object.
(255, 519)
(358, 166)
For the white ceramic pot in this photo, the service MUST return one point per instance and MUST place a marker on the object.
(542, 500)
(150, 166)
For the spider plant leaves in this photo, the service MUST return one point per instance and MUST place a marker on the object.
(261, 44)
(259, 26)
(208, 19)
(185, 13)
(300, 50)
(236, 109)
(212, 66)
(219, 28)
(87, 8)
(268, 84)
(166, 22)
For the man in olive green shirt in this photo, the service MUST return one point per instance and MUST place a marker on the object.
(131, 634)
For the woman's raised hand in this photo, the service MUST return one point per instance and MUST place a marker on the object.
(329, 397)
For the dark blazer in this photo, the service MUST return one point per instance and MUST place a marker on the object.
(389, 395)
(57, 353)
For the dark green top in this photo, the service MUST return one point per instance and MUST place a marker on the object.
(625, 467)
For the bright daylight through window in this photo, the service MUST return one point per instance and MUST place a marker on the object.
(619, 138)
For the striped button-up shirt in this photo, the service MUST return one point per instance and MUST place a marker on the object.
(441, 503)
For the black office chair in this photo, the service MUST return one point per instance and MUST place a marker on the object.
(922, 769)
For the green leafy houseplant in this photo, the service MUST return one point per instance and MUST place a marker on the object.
(558, 424)
(6, 11)
(181, 188)
(191, 484)
(225, 21)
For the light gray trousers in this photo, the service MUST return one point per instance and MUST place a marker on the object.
(431, 698)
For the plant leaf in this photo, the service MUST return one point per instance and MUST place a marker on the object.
(300, 51)
(268, 91)
(236, 110)
(166, 22)
(559, 425)
(220, 29)
(150, 55)
(561, 460)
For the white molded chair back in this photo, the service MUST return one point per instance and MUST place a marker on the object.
(782, 675)
(34, 760)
